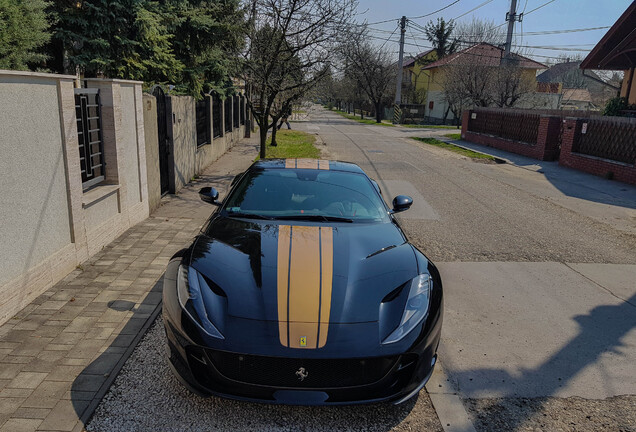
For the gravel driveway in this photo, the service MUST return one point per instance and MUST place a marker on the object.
(147, 397)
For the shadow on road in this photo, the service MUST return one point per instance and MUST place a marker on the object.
(570, 182)
(600, 332)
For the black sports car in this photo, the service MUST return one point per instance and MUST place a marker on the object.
(301, 288)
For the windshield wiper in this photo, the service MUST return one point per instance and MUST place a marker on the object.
(320, 218)
(249, 215)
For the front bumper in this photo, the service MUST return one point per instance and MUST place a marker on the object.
(271, 379)
(396, 379)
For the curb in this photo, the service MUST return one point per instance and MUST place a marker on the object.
(97, 399)
(447, 404)
(498, 160)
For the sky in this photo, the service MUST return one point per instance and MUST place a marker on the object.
(555, 15)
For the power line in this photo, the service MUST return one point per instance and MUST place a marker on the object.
(380, 22)
(473, 9)
(438, 10)
(539, 7)
(554, 48)
(389, 38)
(524, 7)
(418, 26)
(547, 32)
(414, 39)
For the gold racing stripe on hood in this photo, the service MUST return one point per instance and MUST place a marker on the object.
(307, 163)
(305, 271)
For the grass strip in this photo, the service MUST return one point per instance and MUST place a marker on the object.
(456, 136)
(292, 144)
(363, 121)
(460, 150)
(417, 126)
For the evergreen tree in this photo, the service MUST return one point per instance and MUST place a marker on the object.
(158, 63)
(98, 36)
(24, 29)
(190, 43)
(207, 40)
(439, 34)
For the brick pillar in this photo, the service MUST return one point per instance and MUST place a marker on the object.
(571, 128)
(465, 119)
(548, 137)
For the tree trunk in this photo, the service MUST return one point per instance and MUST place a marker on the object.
(274, 130)
(263, 136)
(378, 115)
(445, 115)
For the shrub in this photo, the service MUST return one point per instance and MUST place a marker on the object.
(616, 105)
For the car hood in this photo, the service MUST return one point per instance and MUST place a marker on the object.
(305, 272)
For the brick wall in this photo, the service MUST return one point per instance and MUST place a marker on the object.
(546, 148)
(590, 164)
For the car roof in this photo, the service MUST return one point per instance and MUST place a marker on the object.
(308, 164)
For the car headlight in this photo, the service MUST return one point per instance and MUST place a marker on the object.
(189, 293)
(416, 307)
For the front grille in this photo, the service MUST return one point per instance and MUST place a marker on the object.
(281, 372)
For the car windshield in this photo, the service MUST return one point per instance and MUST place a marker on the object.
(321, 195)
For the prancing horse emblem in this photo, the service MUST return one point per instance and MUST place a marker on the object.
(302, 374)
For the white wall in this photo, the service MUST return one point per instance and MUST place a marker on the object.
(34, 209)
(48, 223)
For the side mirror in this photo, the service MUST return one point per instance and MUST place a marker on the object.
(209, 195)
(402, 203)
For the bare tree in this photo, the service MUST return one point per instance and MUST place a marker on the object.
(509, 84)
(479, 30)
(468, 85)
(290, 43)
(370, 67)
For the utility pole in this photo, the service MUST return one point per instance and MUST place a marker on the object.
(511, 17)
(398, 90)
(400, 72)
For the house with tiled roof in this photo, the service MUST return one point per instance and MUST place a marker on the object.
(577, 99)
(433, 75)
(570, 78)
(412, 71)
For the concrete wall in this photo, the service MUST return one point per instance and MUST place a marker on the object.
(184, 141)
(152, 151)
(34, 209)
(49, 223)
(125, 156)
(188, 160)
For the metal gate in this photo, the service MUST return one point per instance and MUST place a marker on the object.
(162, 132)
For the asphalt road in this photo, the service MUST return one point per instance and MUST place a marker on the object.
(478, 211)
(539, 264)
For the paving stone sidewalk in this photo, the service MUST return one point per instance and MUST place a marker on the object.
(59, 355)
